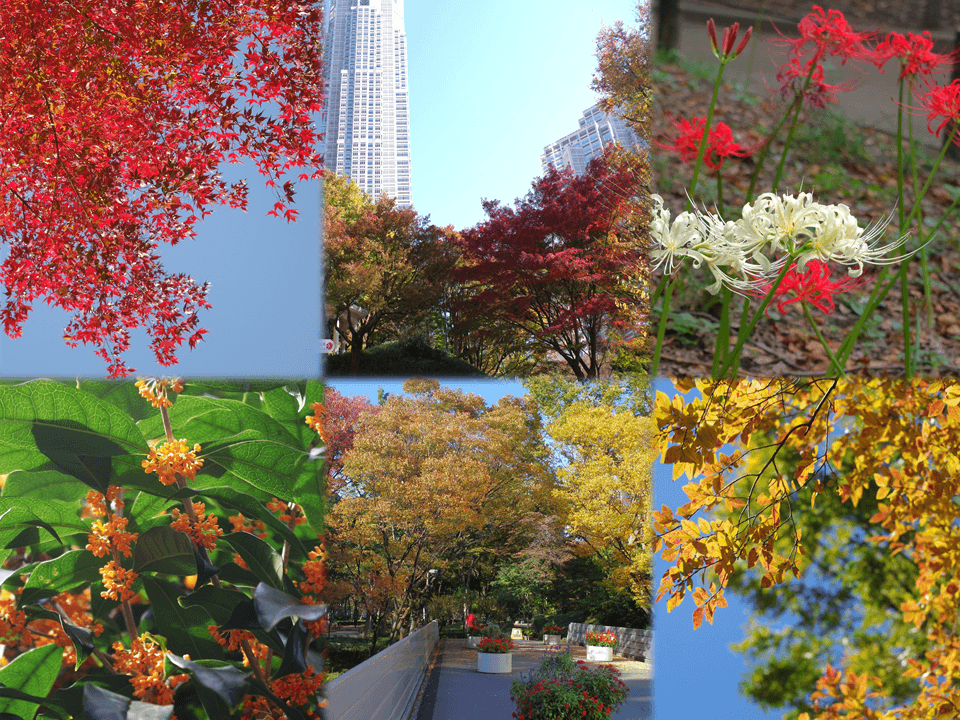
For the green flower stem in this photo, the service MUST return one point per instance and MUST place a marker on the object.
(933, 172)
(723, 332)
(876, 298)
(904, 284)
(659, 290)
(744, 317)
(734, 357)
(719, 194)
(795, 109)
(924, 252)
(792, 130)
(661, 329)
(834, 363)
(703, 138)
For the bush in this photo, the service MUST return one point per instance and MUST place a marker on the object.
(403, 358)
(563, 690)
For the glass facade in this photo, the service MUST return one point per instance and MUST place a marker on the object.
(367, 119)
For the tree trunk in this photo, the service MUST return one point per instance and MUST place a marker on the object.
(668, 25)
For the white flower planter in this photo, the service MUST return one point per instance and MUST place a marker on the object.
(473, 640)
(494, 662)
(551, 639)
(595, 653)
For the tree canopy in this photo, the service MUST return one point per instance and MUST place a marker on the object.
(116, 122)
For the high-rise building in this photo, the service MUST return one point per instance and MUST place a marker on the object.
(577, 149)
(367, 112)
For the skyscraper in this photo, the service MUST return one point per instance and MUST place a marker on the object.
(577, 149)
(367, 115)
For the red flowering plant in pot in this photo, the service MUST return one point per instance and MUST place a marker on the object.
(607, 639)
(495, 645)
(121, 584)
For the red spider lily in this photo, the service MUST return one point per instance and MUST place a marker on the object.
(720, 143)
(915, 53)
(813, 286)
(830, 34)
(729, 38)
(792, 77)
(943, 101)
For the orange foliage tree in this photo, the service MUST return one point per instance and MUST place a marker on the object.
(430, 478)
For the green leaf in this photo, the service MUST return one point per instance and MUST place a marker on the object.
(32, 673)
(264, 562)
(52, 515)
(207, 420)
(47, 421)
(48, 484)
(164, 550)
(221, 604)
(184, 628)
(69, 571)
(100, 704)
(121, 394)
(272, 606)
(266, 465)
(310, 492)
(222, 682)
(82, 638)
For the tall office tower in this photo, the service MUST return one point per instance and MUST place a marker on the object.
(367, 117)
(575, 150)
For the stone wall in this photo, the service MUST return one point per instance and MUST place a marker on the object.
(383, 687)
(631, 642)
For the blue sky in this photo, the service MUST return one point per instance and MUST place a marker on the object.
(264, 276)
(491, 83)
(490, 390)
(695, 674)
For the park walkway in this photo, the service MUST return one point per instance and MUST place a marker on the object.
(454, 689)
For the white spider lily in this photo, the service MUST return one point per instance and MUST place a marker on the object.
(781, 223)
(841, 240)
(675, 240)
(772, 232)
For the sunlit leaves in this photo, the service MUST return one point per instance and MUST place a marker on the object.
(897, 444)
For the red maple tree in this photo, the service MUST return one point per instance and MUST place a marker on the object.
(566, 263)
(115, 119)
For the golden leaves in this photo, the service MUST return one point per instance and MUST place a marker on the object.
(885, 441)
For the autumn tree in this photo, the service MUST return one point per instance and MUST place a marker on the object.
(430, 477)
(604, 489)
(887, 442)
(115, 122)
(623, 68)
(564, 265)
(845, 604)
(388, 261)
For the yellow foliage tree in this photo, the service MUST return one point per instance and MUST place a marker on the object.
(900, 441)
(604, 490)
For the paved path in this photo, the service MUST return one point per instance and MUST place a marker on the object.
(456, 691)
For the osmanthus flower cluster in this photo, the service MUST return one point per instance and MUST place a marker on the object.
(134, 599)
(776, 230)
